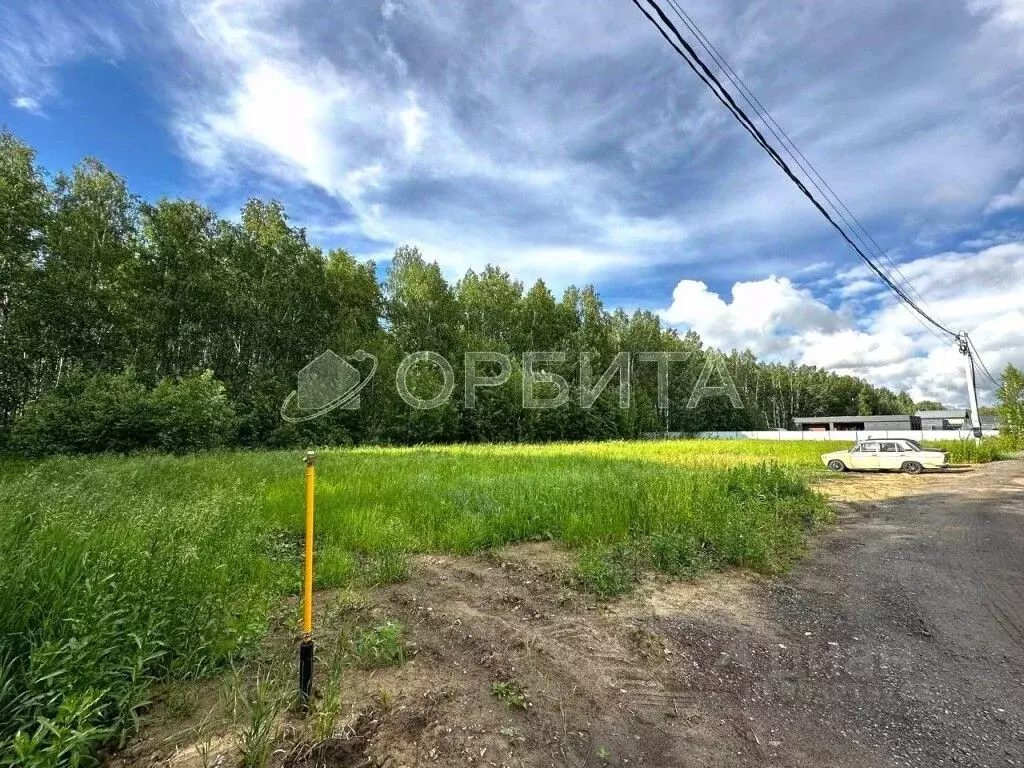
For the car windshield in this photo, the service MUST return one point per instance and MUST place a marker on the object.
(913, 445)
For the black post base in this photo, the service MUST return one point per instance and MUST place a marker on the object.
(306, 673)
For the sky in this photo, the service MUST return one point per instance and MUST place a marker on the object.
(567, 141)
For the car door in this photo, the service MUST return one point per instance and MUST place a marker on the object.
(865, 456)
(890, 455)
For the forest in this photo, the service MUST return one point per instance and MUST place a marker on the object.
(127, 324)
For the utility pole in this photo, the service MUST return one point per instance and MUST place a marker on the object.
(972, 393)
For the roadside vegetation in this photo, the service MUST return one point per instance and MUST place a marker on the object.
(971, 452)
(119, 573)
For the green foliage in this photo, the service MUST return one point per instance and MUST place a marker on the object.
(388, 566)
(969, 451)
(94, 280)
(510, 693)
(1010, 408)
(190, 414)
(25, 201)
(117, 412)
(86, 414)
(760, 515)
(69, 738)
(120, 573)
(606, 571)
(381, 646)
(114, 576)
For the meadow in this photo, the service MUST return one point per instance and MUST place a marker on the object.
(118, 573)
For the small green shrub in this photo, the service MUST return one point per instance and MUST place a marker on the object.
(606, 571)
(68, 739)
(86, 414)
(679, 554)
(381, 646)
(510, 693)
(190, 414)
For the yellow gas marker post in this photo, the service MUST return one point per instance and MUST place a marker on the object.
(306, 649)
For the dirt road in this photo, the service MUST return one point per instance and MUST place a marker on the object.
(898, 641)
(923, 597)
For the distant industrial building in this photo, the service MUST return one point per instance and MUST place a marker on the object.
(990, 422)
(955, 419)
(945, 419)
(859, 423)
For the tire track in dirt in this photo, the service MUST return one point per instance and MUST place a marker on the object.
(936, 576)
(995, 508)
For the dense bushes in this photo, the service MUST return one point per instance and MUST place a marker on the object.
(118, 412)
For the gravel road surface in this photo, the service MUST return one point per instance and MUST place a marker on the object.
(903, 631)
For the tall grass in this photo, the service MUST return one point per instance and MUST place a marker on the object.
(116, 573)
(973, 452)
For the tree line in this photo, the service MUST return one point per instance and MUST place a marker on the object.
(126, 324)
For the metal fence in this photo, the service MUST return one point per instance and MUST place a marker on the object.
(850, 435)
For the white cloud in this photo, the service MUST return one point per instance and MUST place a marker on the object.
(979, 292)
(413, 121)
(537, 118)
(767, 306)
(389, 8)
(503, 176)
(763, 315)
(1006, 12)
(28, 104)
(853, 350)
(39, 38)
(1008, 202)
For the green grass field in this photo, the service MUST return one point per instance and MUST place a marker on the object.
(118, 573)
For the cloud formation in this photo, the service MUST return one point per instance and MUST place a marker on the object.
(1013, 200)
(40, 38)
(483, 132)
(868, 336)
(570, 143)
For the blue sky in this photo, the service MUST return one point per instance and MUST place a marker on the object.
(567, 141)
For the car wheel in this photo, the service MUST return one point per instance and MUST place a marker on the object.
(912, 468)
(837, 466)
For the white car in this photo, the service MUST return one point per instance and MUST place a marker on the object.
(906, 455)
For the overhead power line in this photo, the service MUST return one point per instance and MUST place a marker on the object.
(842, 210)
(977, 358)
(693, 60)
